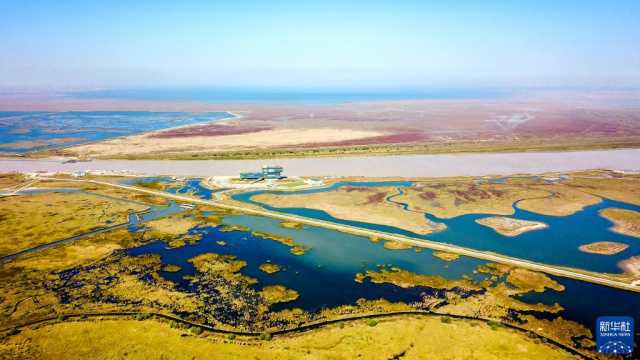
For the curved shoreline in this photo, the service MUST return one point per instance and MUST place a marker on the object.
(576, 274)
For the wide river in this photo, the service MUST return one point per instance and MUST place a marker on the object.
(476, 164)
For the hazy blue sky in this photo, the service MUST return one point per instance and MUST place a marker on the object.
(397, 43)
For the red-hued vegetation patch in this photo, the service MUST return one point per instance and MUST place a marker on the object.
(355, 188)
(398, 138)
(458, 202)
(472, 193)
(437, 186)
(428, 195)
(496, 192)
(583, 122)
(376, 198)
(209, 130)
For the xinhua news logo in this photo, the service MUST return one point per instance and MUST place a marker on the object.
(614, 335)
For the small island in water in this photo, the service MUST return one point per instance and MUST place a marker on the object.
(603, 247)
(509, 226)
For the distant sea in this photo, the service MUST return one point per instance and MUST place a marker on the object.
(22, 132)
(286, 95)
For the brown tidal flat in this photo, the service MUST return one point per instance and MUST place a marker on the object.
(515, 123)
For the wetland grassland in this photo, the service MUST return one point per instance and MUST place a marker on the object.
(152, 339)
(30, 220)
(356, 203)
(9, 181)
(626, 222)
(159, 289)
(549, 194)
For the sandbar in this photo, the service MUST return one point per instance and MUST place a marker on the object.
(509, 226)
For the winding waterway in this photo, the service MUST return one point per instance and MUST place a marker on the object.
(324, 275)
(556, 245)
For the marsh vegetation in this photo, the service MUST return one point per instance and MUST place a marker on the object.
(233, 286)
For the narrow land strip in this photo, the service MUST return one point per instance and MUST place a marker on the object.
(300, 329)
(483, 255)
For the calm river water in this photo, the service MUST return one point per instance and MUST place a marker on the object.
(400, 165)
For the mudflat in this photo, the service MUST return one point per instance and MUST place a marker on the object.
(392, 127)
(509, 226)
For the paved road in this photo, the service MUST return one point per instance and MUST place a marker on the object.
(19, 188)
(483, 255)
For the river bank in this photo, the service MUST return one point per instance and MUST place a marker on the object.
(477, 164)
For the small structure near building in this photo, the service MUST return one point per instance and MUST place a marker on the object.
(268, 172)
(313, 182)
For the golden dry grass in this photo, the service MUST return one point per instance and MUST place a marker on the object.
(509, 226)
(290, 225)
(527, 280)
(396, 245)
(564, 201)
(415, 338)
(80, 252)
(105, 190)
(625, 188)
(603, 247)
(212, 262)
(277, 293)
(30, 220)
(129, 287)
(147, 144)
(450, 198)
(358, 204)
(269, 268)
(626, 222)
(11, 180)
(408, 279)
(175, 225)
(445, 256)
